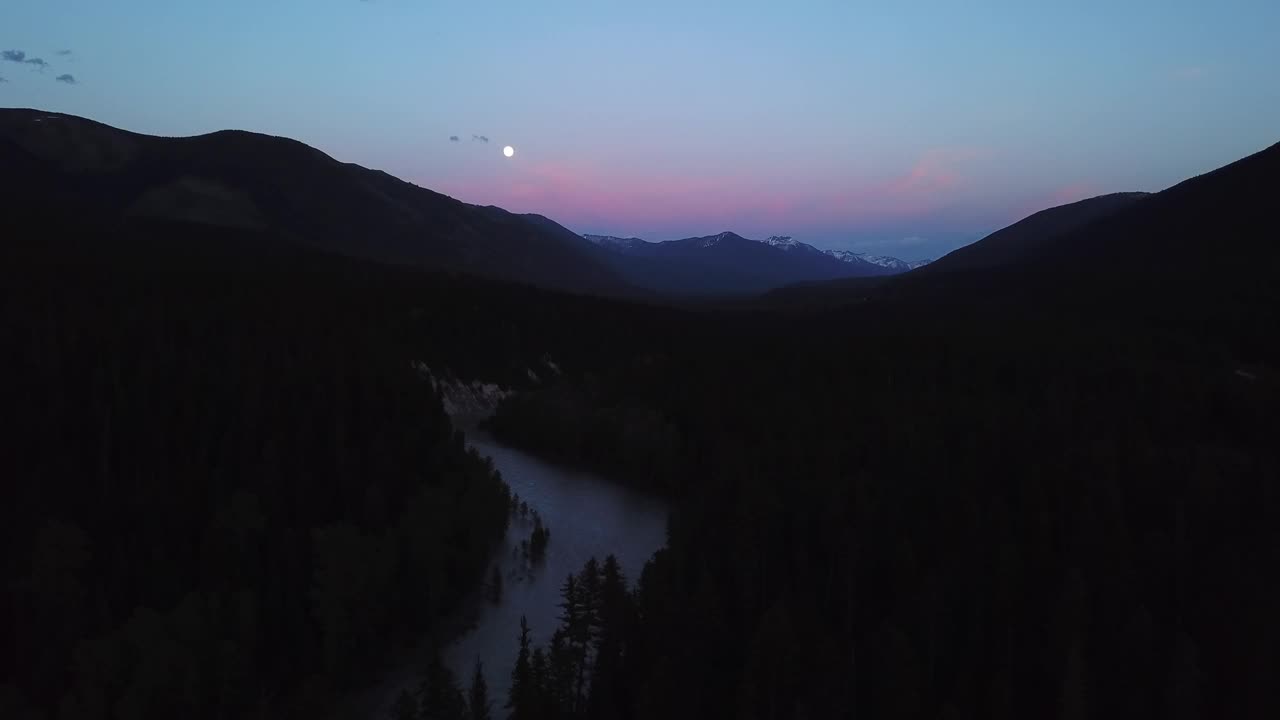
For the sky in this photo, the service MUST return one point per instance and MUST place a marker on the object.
(895, 128)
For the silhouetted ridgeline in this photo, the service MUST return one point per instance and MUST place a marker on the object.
(249, 181)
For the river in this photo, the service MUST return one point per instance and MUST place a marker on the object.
(588, 516)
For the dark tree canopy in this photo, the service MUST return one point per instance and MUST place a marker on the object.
(227, 489)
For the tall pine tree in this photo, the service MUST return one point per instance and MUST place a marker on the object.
(540, 674)
(522, 697)
(478, 698)
(606, 698)
(561, 673)
(439, 697)
(584, 633)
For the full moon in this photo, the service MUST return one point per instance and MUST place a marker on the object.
(508, 151)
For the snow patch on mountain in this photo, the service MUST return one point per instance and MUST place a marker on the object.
(716, 239)
(609, 241)
(884, 261)
(785, 243)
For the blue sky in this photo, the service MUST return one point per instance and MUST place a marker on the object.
(902, 130)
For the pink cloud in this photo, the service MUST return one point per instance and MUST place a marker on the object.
(935, 171)
(934, 181)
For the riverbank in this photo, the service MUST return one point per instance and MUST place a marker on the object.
(588, 516)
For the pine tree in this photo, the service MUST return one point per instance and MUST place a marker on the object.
(570, 608)
(615, 611)
(585, 632)
(538, 540)
(439, 697)
(521, 698)
(540, 675)
(568, 657)
(589, 594)
(613, 594)
(478, 698)
(561, 674)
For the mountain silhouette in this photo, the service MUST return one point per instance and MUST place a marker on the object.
(1212, 225)
(283, 188)
(1018, 241)
(725, 263)
(1194, 259)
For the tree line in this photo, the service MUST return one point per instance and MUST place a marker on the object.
(954, 518)
(580, 673)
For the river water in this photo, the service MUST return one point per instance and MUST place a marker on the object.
(588, 516)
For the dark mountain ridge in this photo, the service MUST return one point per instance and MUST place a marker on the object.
(1007, 246)
(1004, 248)
(247, 180)
(1197, 260)
(725, 263)
(1219, 222)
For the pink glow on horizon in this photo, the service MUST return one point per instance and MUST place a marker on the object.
(579, 194)
(934, 181)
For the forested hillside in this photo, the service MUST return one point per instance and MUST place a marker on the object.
(227, 492)
(962, 525)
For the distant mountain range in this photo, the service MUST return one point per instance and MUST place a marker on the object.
(856, 259)
(281, 190)
(284, 190)
(730, 263)
(884, 261)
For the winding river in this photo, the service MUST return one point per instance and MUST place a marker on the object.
(588, 516)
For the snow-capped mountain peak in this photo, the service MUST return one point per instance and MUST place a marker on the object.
(884, 261)
(609, 241)
(786, 243)
(714, 240)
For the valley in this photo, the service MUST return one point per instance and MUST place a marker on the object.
(1028, 476)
